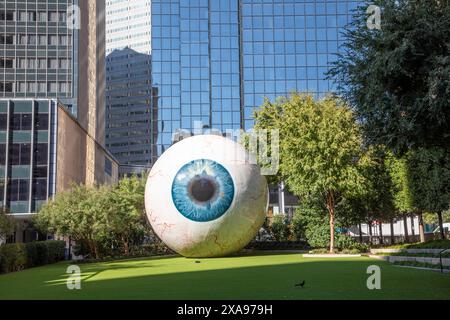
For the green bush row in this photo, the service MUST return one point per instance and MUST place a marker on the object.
(433, 244)
(19, 256)
(278, 245)
(420, 264)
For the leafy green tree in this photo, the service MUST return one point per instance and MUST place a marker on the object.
(126, 214)
(80, 214)
(376, 201)
(401, 191)
(428, 177)
(320, 145)
(398, 78)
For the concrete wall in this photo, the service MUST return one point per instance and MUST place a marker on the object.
(91, 81)
(74, 162)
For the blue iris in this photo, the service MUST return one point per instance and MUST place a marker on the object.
(202, 190)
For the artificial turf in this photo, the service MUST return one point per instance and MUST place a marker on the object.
(265, 276)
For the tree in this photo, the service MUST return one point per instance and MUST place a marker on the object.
(401, 191)
(7, 225)
(126, 213)
(429, 181)
(102, 220)
(320, 145)
(375, 202)
(397, 78)
(80, 214)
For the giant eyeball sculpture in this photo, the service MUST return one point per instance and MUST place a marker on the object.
(204, 198)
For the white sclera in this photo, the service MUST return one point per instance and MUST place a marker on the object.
(235, 228)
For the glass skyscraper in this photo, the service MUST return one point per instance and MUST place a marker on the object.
(130, 107)
(215, 61)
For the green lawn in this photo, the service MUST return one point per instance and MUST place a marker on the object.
(268, 276)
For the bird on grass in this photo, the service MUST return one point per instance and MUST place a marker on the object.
(301, 284)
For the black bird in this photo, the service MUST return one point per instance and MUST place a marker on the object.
(301, 284)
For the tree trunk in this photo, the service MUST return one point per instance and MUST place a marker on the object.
(380, 227)
(369, 227)
(405, 228)
(441, 225)
(413, 232)
(360, 233)
(392, 232)
(421, 227)
(330, 205)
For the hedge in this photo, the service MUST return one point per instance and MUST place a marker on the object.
(19, 256)
(278, 245)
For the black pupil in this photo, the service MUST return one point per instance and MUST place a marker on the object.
(202, 189)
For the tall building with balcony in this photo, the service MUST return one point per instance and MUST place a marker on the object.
(130, 106)
(215, 61)
(52, 92)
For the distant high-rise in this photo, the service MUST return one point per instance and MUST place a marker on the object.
(130, 106)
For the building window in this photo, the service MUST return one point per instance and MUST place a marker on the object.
(63, 63)
(6, 86)
(52, 87)
(19, 190)
(7, 63)
(41, 154)
(42, 40)
(108, 167)
(21, 121)
(41, 121)
(3, 122)
(31, 64)
(53, 63)
(40, 189)
(6, 39)
(42, 63)
(53, 40)
(63, 87)
(2, 154)
(42, 87)
(8, 15)
(20, 154)
(22, 39)
(53, 16)
(42, 16)
(31, 87)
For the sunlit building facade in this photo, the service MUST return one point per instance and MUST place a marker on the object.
(130, 107)
(215, 61)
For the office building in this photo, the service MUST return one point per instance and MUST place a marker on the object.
(52, 101)
(130, 106)
(215, 61)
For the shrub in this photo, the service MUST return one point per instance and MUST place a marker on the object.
(344, 242)
(55, 251)
(18, 256)
(278, 245)
(13, 257)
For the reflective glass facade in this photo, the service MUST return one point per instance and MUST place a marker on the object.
(27, 152)
(215, 61)
(130, 107)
